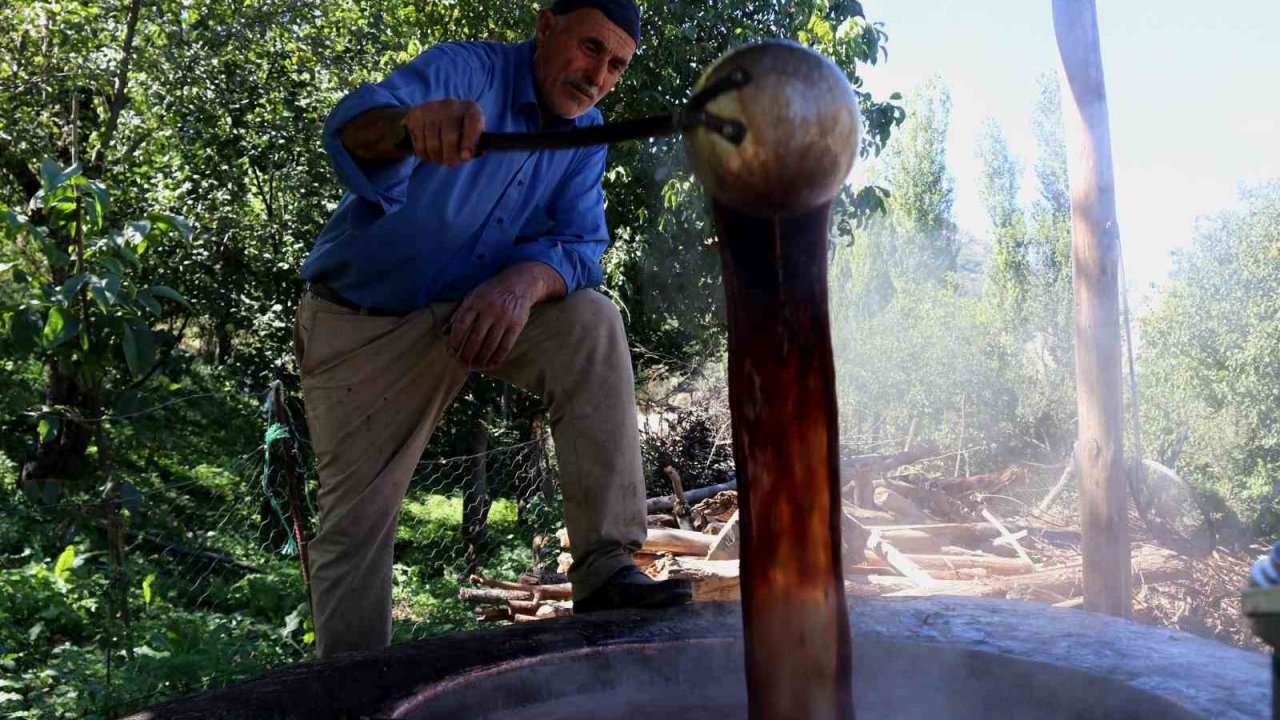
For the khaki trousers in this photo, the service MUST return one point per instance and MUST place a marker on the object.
(374, 389)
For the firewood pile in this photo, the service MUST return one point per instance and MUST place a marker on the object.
(918, 535)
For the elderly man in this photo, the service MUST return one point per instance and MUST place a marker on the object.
(444, 261)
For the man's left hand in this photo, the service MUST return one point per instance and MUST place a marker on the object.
(484, 328)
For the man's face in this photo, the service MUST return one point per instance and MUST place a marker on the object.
(580, 57)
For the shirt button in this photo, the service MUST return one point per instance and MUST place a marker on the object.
(501, 222)
(520, 181)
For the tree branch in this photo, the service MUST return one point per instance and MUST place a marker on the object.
(122, 84)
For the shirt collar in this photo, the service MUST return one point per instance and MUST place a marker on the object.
(524, 92)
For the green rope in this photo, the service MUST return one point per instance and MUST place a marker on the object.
(275, 483)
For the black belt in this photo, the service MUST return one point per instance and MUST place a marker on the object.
(328, 294)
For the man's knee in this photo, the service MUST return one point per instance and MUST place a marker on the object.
(587, 314)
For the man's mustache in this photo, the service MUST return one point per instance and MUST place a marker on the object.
(584, 87)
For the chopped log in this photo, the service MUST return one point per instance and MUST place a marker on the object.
(895, 503)
(853, 535)
(488, 614)
(1067, 472)
(726, 545)
(1006, 537)
(991, 563)
(1075, 602)
(681, 507)
(716, 509)
(678, 542)
(557, 590)
(665, 503)
(562, 591)
(563, 562)
(644, 560)
(526, 607)
(935, 502)
(544, 578)
(910, 541)
(897, 560)
(953, 533)
(550, 611)
(711, 579)
(492, 595)
(864, 468)
(658, 540)
(661, 521)
(525, 618)
(988, 483)
(867, 516)
(881, 464)
(1152, 565)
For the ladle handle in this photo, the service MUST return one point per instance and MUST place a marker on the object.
(608, 133)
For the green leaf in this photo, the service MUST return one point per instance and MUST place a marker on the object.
(58, 328)
(99, 294)
(139, 347)
(49, 172)
(52, 176)
(48, 427)
(72, 286)
(113, 265)
(111, 285)
(62, 568)
(149, 302)
(101, 198)
(166, 221)
(169, 293)
(129, 255)
(146, 589)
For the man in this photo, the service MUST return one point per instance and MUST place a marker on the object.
(440, 262)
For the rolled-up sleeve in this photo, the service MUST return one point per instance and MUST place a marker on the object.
(448, 71)
(578, 236)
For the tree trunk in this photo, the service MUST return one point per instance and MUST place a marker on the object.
(1095, 250)
(59, 456)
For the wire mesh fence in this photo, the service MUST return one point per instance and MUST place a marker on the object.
(171, 576)
(181, 578)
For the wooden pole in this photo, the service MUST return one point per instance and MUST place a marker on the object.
(786, 451)
(1094, 255)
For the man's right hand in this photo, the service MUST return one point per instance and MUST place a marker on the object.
(445, 132)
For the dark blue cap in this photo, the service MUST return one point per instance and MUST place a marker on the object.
(623, 13)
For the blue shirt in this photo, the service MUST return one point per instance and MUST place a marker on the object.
(408, 233)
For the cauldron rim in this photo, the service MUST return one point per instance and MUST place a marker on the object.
(1205, 677)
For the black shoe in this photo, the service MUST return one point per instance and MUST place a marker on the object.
(630, 588)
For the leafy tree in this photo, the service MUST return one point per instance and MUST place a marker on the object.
(926, 244)
(998, 182)
(82, 305)
(1209, 360)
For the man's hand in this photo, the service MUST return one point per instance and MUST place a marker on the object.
(445, 132)
(485, 326)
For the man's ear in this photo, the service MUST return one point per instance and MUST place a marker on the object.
(545, 25)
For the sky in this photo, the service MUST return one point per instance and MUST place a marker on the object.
(1193, 93)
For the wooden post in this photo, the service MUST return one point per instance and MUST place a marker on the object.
(1095, 250)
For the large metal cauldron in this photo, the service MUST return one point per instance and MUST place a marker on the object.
(927, 658)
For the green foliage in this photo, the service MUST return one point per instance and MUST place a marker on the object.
(212, 110)
(1209, 362)
(82, 281)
